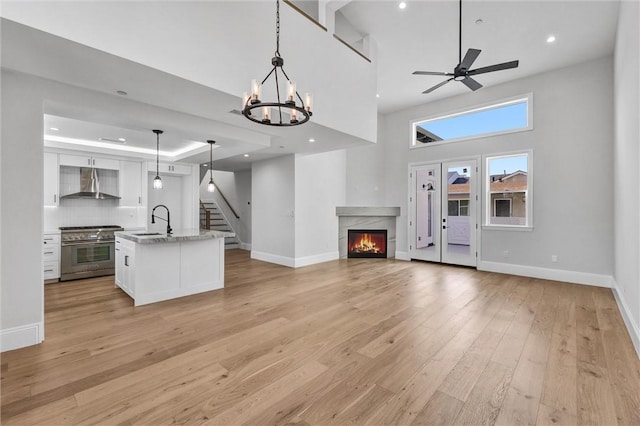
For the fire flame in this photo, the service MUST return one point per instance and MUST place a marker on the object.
(365, 245)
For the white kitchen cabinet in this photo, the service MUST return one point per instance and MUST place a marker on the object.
(50, 179)
(51, 256)
(125, 272)
(170, 169)
(89, 161)
(130, 183)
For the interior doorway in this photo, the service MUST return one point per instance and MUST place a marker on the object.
(443, 209)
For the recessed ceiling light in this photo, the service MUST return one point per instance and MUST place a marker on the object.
(551, 39)
(377, 95)
(55, 129)
(204, 165)
(122, 139)
(246, 155)
(312, 140)
(479, 21)
(402, 5)
(122, 92)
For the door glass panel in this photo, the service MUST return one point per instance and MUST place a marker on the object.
(426, 209)
(458, 225)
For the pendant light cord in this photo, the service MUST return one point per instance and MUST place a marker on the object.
(278, 28)
(211, 160)
(157, 154)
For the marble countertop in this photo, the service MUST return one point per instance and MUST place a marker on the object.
(143, 237)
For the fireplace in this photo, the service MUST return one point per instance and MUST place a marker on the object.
(367, 243)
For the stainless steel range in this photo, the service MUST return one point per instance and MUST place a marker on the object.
(87, 251)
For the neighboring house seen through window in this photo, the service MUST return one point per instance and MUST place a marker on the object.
(508, 190)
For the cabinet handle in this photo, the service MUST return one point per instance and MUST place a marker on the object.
(139, 200)
(126, 260)
(54, 198)
(93, 162)
(48, 252)
(48, 270)
(117, 249)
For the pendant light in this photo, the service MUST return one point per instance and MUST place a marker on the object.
(299, 113)
(157, 182)
(211, 186)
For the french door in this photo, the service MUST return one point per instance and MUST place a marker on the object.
(443, 212)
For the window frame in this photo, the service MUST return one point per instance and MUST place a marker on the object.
(528, 98)
(528, 194)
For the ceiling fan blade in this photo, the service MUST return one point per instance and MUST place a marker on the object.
(469, 58)
(471, 83)
(437, 86)
(497, 67)
(431, 73)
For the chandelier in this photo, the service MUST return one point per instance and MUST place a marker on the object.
(286, 112)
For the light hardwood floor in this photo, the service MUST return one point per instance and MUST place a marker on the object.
(345, 342)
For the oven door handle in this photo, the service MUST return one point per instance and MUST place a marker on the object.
(87, 243)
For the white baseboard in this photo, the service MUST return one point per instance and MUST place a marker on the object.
(245, 246)
(318, 258)
(632, 326)
(403, 255)
(292, 262)
(547, 274)
(273, 258)
(22, 336)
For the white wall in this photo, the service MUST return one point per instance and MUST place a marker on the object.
(171, 195)
(273, 220)
(22, 294)
(573, 158)
(626, 179)
(319, 188)
(366, 171)
(344, 101)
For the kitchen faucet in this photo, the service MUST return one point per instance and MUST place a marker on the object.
(168, 219)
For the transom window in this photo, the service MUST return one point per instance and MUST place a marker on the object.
(507, 116)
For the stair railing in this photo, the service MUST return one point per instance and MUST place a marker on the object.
(206, 224)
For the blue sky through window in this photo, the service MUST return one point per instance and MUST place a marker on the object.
(509, 164)
(507, 117)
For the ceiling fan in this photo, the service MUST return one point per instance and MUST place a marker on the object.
(462, 72)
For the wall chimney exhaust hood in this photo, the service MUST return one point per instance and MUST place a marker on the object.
(89, 183)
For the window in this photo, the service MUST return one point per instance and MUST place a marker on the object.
(502, 207)
(458, 207)
(507, 116)
(508, 190)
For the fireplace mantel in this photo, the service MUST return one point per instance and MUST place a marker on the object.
(368, 211)
(367, 218)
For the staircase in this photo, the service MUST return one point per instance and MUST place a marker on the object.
(217, 222)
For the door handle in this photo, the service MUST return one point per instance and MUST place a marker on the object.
(126, 260)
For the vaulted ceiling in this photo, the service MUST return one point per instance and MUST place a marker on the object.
(191, 61)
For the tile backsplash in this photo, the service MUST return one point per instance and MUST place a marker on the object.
(88, 212)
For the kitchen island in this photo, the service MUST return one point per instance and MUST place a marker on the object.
(152, 267)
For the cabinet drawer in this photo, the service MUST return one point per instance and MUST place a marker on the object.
(51, 270)
(50, 239)
(50, 253)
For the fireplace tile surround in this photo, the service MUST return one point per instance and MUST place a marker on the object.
(367, 218)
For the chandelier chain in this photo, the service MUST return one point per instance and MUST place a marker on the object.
(278, 28)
